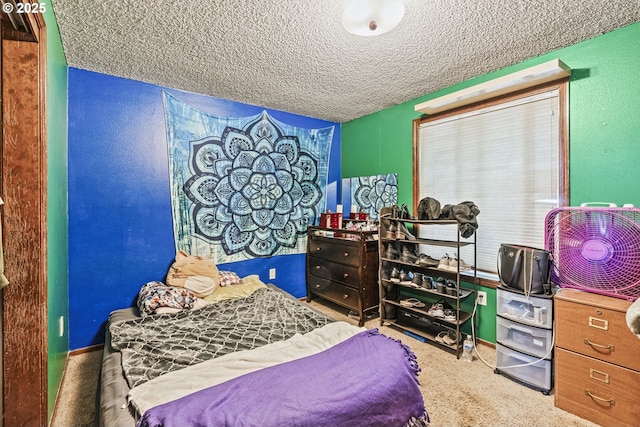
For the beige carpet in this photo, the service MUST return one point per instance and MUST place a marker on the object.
(456, 393)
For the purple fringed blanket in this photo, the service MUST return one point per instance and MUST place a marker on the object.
(367, 380)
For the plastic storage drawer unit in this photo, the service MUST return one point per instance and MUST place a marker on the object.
(534, 341)
(531, 371)
(532, 310)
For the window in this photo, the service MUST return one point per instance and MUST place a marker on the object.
(507, 156)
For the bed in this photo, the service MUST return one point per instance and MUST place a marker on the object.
(254, 356)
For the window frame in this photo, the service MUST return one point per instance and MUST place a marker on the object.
(562, 86)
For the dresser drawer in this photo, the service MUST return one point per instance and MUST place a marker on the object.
(345, 274)
(343, 295)
(602, 392)
(599, 331)
(336, 250)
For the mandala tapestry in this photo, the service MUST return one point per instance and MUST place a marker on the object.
(243, 187)
(370, 193)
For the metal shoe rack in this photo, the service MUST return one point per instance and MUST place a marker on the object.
(416, 246)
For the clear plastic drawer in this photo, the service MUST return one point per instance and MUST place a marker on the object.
(528, 339)
(536, 311)
(529, 370)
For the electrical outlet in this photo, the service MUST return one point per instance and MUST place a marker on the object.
(272, 273)
(61, 326)
(482, 298)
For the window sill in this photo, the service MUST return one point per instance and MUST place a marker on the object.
(488, 280)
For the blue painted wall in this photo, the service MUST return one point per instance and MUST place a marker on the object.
(120, 224)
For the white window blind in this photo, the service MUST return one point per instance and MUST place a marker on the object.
(505, 158)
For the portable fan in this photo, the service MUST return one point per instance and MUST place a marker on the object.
(595, 249)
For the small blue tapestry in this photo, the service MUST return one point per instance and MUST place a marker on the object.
(370, 193)
(244, 187)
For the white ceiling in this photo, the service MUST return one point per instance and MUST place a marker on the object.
(294, 55)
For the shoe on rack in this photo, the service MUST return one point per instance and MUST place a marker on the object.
(452, 263)
(417, 280)
(436, 310)
(391, 230)
(392, 251)
(452, 289)
(412, 302)
(395, 275)
(440, 336)
(408, 253)
(444, 263)
(387, 212)
(456, 262)
(425, 260)
(404, 212)
(406, 278)
(449, 315)
(427, 282)
(447, 336)
(441, 285)
(403, 233)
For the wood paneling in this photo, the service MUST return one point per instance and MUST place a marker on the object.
(24, 236)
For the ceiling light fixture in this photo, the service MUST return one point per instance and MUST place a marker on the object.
(372, 17)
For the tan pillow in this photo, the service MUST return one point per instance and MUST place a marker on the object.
(199, 275)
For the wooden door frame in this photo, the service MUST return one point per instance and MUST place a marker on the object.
(24, 216)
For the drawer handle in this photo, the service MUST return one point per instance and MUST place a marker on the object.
(603, 377)
(318, 249)
(346, 254)
(345, 296)
(610, 348)
(317, 267)
(594, 322)
(611, 402)
(345, 275)
(317, 286)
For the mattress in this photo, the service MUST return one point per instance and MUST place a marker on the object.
(114, 407)
(159, 370)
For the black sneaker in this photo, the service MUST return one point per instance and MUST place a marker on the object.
(452, 289)
(392, 251)
(425, 260)
(417, 280)
(391, 230)
(405, 278)
(408, 254)
(427, 282)
(395, 275)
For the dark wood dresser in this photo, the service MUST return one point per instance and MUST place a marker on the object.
(597, 359)
(342, 267)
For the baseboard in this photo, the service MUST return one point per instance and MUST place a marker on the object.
(486, 343)
(86, 349)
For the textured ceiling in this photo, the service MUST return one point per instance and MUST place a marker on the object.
(294, 55)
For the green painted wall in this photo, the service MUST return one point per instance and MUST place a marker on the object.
(57, 235)
(604, 130)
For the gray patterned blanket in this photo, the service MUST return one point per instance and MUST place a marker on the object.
(154, 345)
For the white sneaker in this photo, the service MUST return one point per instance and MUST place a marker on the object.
(444, 262)
(453, 264)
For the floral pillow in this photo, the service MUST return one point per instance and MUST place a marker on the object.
(228, 278)
(155, 295)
